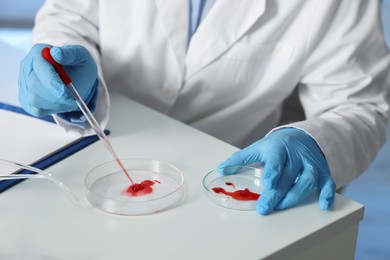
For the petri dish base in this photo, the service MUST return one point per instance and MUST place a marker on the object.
(107, 186)
(234, 187)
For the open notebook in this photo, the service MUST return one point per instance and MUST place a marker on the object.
(33, 141)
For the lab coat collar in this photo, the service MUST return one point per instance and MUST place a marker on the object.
(226, 22)
(174, 15)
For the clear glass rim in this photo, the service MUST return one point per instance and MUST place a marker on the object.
(180, 175)
(257, 173)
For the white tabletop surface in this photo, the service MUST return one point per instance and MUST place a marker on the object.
(38, 222)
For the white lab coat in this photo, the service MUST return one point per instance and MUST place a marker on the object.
(246, 57)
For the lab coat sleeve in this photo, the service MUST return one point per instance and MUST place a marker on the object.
(68, 23)
(342, 89)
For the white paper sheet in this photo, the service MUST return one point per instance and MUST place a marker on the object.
(26, 139)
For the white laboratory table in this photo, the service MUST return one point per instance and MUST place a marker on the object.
(37, 221)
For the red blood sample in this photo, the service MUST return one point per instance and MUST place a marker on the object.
(230, 184)
(243, 195)
(140, 189)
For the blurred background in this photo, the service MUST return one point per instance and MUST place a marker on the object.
(371, 189)
(18, 13)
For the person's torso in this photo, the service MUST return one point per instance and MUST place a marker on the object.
(243, 61)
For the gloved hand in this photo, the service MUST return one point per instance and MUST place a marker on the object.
(294, 166)
(41, 91)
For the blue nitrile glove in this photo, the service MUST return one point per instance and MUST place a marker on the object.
(294, 166)
(41, 91)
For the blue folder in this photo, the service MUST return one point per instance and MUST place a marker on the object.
(54, 158)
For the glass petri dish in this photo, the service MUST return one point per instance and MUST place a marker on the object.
(108, 186)
(234, 187)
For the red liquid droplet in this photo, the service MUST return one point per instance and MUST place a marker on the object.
(140, 189)
(230, 184)
(243, 195)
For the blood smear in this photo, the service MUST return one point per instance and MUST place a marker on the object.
(242, 195)
(140, 189)
(230, 184)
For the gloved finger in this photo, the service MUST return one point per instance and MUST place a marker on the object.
(230, 170)
(304, 185)
(274, 162)
(270, 198)
(242, 157)
(23, 100)
(25, 67)
(38, 112)
(22, 85)
(45, 74)
(35, 99)
(70, 55)
(23, 95)
(40, 97)
(57, 106)
(236, 158)
(267, 201)
(328, 192)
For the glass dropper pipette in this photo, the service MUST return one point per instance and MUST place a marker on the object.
(83, 107)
